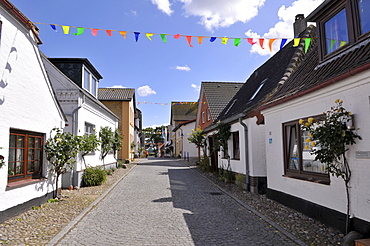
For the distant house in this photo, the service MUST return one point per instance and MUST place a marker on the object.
(74, 81)
(246, 146)
(188, 150)
(122, 102)
(213, 98)
(181, 112)
(337, 67)
(29, 111)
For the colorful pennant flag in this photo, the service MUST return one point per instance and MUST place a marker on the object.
(53, 27)
(137, 36)
(271, 42)
(149, 36)
(237, 42)
(224, 40)
(296, 42)
(283, 41)
(109, 32)
(188, 38)
(261, 42)
(200, 40)
(177, 36)
(123, 33)
(212, 39)
(250, 40)
(80, 30)
(163, 37)
(65, 29)
(94, 32)
(307, 43)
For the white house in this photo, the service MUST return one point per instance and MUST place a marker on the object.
(337, 67)
(182, 131)
(77, 95)
(29, 112)
(246, 145)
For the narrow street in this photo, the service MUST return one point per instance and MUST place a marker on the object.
(164, 202)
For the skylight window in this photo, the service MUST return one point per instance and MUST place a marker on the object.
(258, 90)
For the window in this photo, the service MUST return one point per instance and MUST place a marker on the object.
(86, 80)
(298, 160)
(363, 9)
(336, 32)
(208, 115)
(89, 129)
(25, 155)
(341, 23)
(202, 117)
(90, 82)
(236, 148)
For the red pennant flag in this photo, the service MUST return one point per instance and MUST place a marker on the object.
(109, 32)
(261, 42)
(250, 40)
(177, 36)
(94, 32)
(188, 38)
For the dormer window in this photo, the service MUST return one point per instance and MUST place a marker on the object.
(363, 9)
(89, 82)
(341, 24)
(336, 32)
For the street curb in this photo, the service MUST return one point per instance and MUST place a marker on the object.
(267, 220)
(76, 220)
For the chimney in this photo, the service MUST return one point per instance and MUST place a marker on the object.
(299, 25)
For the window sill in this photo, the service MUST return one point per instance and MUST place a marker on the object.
(22, 183)
(314, 180)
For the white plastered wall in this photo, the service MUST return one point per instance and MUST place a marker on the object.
(355, 92)
(27, 103)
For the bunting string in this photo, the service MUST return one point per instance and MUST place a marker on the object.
(173, 103)
(263, 42)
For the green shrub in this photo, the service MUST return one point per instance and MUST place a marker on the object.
(93, 176)
(240, 180)
(204, 164)
(127, 161)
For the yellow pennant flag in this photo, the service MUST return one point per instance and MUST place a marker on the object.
(149, 36)
(296, 42)
(65, 29)
(224, 40)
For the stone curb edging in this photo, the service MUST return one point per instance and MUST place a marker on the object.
(76, 220)
(267, 220)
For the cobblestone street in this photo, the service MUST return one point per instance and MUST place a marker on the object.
(164, 202)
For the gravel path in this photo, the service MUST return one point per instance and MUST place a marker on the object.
(39, 226)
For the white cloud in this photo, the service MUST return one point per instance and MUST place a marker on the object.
(117, 86)
(164, 6)
(183, 68)
(196, 87)
(145, 91)
(284, 28)
(221, 13)
(154, 126)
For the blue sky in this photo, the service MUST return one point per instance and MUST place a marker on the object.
(172, 71)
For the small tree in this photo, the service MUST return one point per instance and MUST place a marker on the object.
(106, 137)
(2, 161)
(221, 140)
(329, 138)
(116, 142)
(198, 138)
(88, 144)
(61, 151)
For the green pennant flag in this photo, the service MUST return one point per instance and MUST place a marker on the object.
(80, 30)
(307, 43)
(163, 36)
(236, 42)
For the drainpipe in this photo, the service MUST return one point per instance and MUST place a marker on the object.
(75, 132)
(246, 153)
